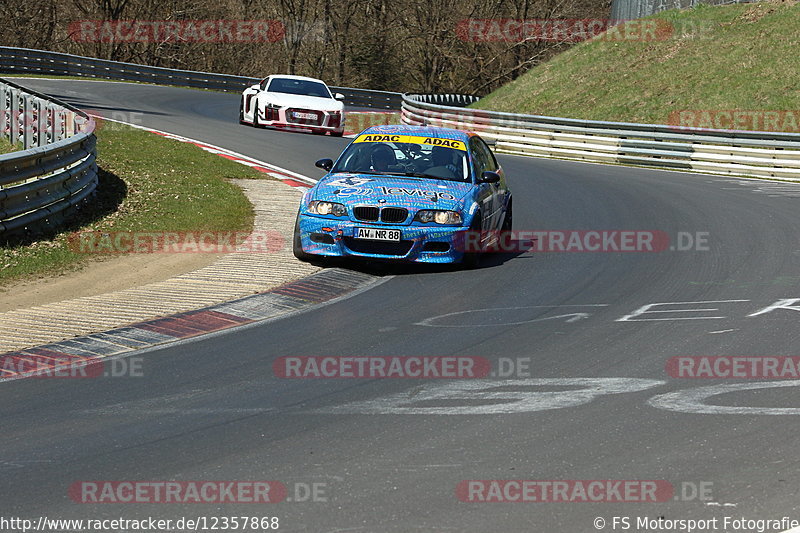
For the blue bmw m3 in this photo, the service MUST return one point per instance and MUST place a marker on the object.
(405, 193)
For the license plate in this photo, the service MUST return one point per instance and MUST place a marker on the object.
(307, 116)
(377, 234)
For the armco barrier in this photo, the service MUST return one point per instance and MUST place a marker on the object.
(55, 170)
(26, 61)
(739, 153)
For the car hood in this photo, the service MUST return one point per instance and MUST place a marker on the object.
(305, 102)
(419, 193)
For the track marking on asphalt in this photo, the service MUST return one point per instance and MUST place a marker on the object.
(645, 309)
(480, 397)
(570, 317)
(22, 463)
(487, 397)
(693, 400)
(640, 314)
(769, 188)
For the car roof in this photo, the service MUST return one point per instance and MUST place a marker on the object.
(420, 131)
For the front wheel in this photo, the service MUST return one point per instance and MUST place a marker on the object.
(241, 112)
(472, 259)
(297, 246)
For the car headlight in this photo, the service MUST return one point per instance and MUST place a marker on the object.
(440, 217)
(318, 207)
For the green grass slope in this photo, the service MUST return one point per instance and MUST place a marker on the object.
(738, 57)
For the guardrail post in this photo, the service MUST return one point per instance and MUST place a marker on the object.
(4, 108)
(58, 125)
(27, 121)
(41, 122)
(14, 117)
(69, 124)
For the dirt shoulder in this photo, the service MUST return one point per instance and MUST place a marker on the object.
(100, 277)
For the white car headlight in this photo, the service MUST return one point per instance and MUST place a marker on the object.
(318, 207)
(440, 217)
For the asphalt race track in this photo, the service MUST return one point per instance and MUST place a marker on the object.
(212, 408)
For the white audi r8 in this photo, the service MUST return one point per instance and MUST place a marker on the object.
(294, 102)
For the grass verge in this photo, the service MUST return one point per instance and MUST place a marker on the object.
(736, 57)
(147, 184)
(6, 147)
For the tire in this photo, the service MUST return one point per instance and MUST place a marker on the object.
(337, 133)
(256, 121)
(297, 247)
(241, 112)
(471, 260)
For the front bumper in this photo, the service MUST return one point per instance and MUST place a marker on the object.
(421, 244)
(280, 118)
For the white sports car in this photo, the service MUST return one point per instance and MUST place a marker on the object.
(294, 102)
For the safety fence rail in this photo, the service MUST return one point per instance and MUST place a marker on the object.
(56, 168)
(732, 152)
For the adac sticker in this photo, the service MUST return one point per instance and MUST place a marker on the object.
(413, 139)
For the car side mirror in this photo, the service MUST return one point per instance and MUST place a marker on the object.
(338, 96)
(325, 164)
(490, 177)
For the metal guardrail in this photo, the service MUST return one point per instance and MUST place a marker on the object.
(452, 100)
(27, 61)
(55, 171)
(738, 153)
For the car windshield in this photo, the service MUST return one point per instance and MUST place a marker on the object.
(406, 155)
(301, 87)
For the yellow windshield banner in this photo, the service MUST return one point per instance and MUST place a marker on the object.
(432, 141)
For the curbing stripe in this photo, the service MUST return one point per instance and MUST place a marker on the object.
(295, 296)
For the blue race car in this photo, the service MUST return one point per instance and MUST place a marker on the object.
(405, 193)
